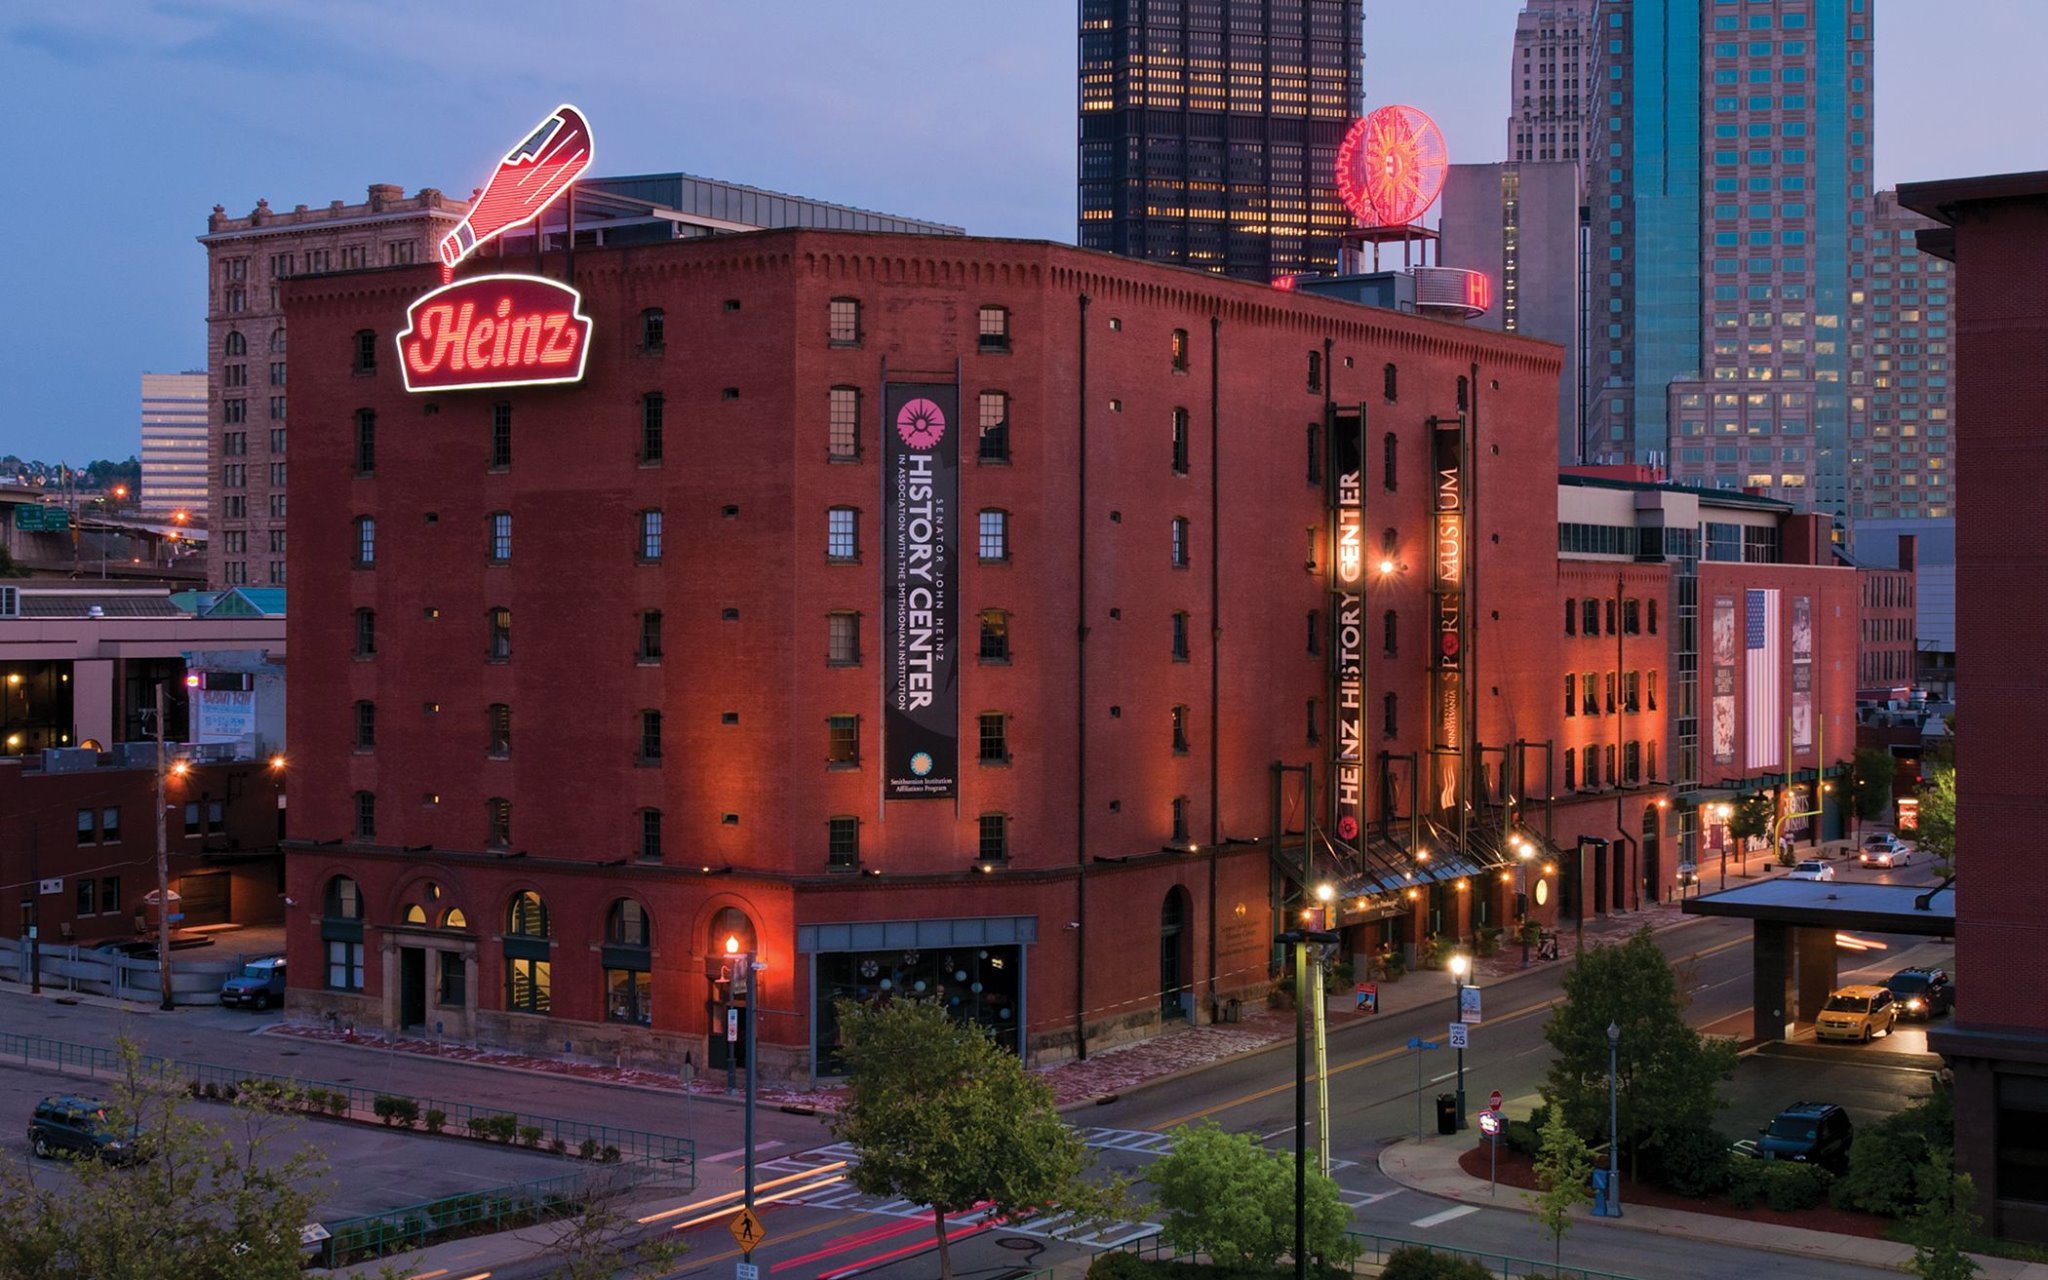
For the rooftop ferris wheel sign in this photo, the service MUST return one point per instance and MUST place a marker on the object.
(504, 329)
(1391, 167)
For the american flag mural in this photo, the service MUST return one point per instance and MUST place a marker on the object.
(1761, 653)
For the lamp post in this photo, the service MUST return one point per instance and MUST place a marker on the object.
(1326, 893)
(1523, 852)
(1299, 940)
(1461, 964)
(1613, 1130)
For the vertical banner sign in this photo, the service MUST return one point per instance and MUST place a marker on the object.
(1802, 673)
(1447, 621)
(1347, 585)
(1723, 707)
(920, 597)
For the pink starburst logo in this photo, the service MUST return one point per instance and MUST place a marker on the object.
(921, 424)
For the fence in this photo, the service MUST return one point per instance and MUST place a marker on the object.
(1373, 1250)
(196, 972)
(675, 1157)
(377, 1235)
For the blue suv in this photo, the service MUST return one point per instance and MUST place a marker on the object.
(1810, 1133)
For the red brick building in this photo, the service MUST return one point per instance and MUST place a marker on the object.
(1993, 229)
(1887, 653)
(593, 681)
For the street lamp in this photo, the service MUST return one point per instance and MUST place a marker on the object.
(1461, 964)
(1613, 1130)
(1524, 851)
(1299, 940)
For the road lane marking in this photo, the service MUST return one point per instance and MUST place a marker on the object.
(1448, 1215)
(759, 1147)
(1389, 1055)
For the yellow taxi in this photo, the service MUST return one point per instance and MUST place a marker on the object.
(1857, 1013)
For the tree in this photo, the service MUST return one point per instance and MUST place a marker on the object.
(219, 1200)
(1563, 1169)
(1945, 1224)
(1870, 783)
(942, 1116)
(1667, 1071)
(1752, 817)
(605, 1242)
(1936, 832)
(1228, 1197)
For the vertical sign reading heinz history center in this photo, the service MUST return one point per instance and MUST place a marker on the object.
(1347, 572)
(920, 596)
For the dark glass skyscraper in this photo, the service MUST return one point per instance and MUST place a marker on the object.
(1209, 131)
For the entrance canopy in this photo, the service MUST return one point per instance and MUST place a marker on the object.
(1834, 904)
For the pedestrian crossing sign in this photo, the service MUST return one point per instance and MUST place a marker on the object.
(746, 1230)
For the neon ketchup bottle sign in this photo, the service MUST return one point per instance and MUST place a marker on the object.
(504, 330)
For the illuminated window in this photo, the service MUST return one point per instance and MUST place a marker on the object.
(1180, 350)
(501, 536)
(842, 432)
(499, 623)
(341, 929)
(842, 535)
(843, 322)
(994, 445)
(994, 323)
(650, 535)
(1180, 542)
(992, 541)
(995, 636)
(529, 976)
(366, 541)
(842, 742)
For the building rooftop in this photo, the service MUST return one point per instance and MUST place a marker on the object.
(1714, 497)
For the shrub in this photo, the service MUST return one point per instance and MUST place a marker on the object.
(610, 1155)
(498, 1128)
(1414, 1262)
(1889, 1162)
(437, 1119)
(396, 1111)
(1526, 1136)
(1746, 1181)
(530, 1134)
(1789, 1186)
(558, 1146)
(1118, 1265)
(1692, 1161)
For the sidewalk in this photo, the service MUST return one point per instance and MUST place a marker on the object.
(1431, 1167)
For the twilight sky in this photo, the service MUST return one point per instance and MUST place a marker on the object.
(133, 119)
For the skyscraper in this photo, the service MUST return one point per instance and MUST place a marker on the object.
(1729, 169)
(1551, 77)
(174, 443)
(1899, 454)
(1209, 131)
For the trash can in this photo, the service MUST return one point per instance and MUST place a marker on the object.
(1447, 1113)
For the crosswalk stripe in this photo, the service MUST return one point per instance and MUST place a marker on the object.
(1448, 1215)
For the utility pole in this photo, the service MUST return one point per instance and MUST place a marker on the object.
(163, 863)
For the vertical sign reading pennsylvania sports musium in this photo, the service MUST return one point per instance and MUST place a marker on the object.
(1447, 586)
(920, 598)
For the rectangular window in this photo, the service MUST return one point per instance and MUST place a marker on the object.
(994, 445)
(498, 723)
(110, 895)
(1180, 731)
(650, 535)
(498, 817)
(650, 835)
(995, 636)
(529, 985)
(653, 329)
(843, 322)
(501, 436)
(277, 373)
(85, 897)
(501, 536)
(1180, 637)
(1571, 768)
(366, 815)
(994, 329)
(366, 351)
(993, 540)
(366, 726)
(842, 639)
(842, 742)
(88, 829)
(499, 621)
(344, 965)
(1179, 546)
(650, 636)
(650, 736)
(994, 842)
(652, 407)
(277, 506)
(842, 535)
(842, 843)
(366, 541)
(995, 742)
(1571, 701)
(277, 474)
(1180, 442)
(842, 432)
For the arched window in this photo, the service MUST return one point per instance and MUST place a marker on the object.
(1315, 371)
(628, 965)
(1389, 716)
(1390, 384)
(415, 913)
(236, 344)
(1390, 462)
(277, 341)
(1653, 615)
(454, 918)
(1464, 394)
(1571, 617)
(1390, 629)
(341, 934)
(529, 974)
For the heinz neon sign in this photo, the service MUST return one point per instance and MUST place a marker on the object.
(494, 331)
(504, 330)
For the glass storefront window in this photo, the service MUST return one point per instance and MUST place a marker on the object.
(979, 985)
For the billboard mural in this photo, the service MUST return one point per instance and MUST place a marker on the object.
(1722, 741)
(1802, 673)
(920, 590)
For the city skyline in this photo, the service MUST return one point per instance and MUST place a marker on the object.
(327, 102)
